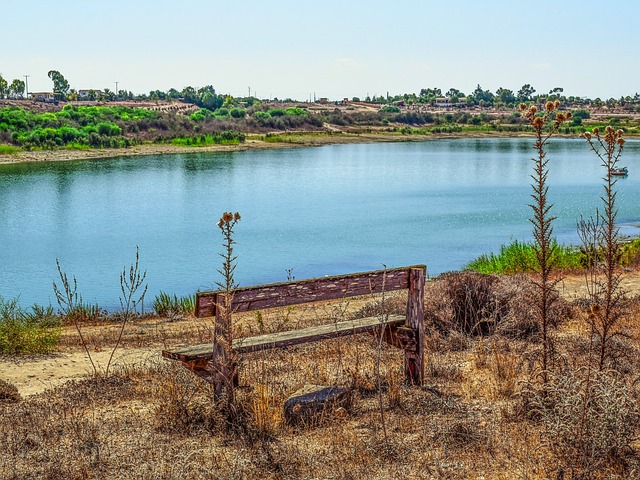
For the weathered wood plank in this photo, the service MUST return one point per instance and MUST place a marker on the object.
(414, 360)
(306, 291)
(195, 353)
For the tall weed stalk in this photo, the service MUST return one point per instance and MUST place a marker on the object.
(130, 299)
(601, 241)
(223, 335)
(545, 125)
(69, 300)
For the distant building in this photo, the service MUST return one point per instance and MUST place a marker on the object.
(324, 100)
(41, 96)
(443, 102)
(448, 102)
(88, 94)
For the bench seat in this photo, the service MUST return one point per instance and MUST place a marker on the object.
(204, 351)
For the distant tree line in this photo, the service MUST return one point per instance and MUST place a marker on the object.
(503, 97)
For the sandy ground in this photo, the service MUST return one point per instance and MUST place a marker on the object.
(35, 374)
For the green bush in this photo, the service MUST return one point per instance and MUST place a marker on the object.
(22, 332)
(169, 306)
(520, 257)
(630, 253)
(238, 113)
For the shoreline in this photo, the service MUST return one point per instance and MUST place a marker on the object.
(307, 139)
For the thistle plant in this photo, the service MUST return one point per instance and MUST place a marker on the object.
(601, 238)
(545, 125)
(224, 365)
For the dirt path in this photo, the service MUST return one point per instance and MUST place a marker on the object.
(574, 286)
(36, 374)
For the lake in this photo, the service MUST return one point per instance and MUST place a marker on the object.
(318, 211)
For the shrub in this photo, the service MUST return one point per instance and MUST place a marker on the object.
(22, 333)
(630, 254)
(472, 303)
(588, 418)
(462, 302)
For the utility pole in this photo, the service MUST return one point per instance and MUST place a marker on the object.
(26, 82)
(249, 92)
(117, 88)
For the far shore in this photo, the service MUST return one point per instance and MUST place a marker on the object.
(297, 140)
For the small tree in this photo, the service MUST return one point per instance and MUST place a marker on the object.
(60, 85)
(16, 89)
(601, 240)
(545, 125)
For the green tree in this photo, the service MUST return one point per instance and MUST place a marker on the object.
(16, 89)
(60, 85)
(525, 94)
(506, 96)
(3, 87)
(480, 95)
(189, 94)
(554, 93)
(454, 94)
(428, 95)
(109, 95)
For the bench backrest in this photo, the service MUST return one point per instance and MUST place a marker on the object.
(306, 291)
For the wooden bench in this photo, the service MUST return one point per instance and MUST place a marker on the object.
(403, 331)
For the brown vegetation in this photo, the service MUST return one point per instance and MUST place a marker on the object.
(477, 417)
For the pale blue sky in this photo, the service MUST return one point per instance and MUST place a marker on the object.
(333, 48)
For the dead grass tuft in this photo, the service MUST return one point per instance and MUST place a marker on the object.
(9, 392)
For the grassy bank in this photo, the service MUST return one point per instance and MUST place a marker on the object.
(520, 257)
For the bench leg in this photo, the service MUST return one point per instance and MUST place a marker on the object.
(414, 358)
(206, 370)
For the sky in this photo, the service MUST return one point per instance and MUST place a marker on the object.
(330, 48)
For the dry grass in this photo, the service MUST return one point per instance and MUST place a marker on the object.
(158, 420)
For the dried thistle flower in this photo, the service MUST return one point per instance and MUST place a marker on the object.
(587, 135)
(549, 106)
(523, 107)
(609, 129)
(556, 104)
(560, 117)
(538, 122)
(621, 141)
(533, 109)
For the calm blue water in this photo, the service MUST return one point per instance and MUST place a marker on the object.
(319, 211)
